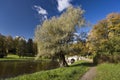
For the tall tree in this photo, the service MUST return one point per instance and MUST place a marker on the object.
(16, 41)
(104, 38)
(54, 36)
(30, 47)
(97, 36)
(9, 44)
(2, 46)
(21, 48)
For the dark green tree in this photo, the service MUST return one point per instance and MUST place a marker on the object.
(21, 48)
(2, 46)
(30, 47)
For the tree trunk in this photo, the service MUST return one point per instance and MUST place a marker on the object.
(62, 60)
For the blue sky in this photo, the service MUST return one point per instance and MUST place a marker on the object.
(20, 17)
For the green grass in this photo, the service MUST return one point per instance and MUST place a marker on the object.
(12, 56)
(108, 71)
(74, 72)
(16, 57)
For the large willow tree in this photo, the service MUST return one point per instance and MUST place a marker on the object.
(54, 36)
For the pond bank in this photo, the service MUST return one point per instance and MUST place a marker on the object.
(74, 72)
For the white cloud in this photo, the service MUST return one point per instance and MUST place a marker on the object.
(44, 17)
(63, 4)
(40, 10)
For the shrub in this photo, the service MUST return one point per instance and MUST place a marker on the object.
(101, 58)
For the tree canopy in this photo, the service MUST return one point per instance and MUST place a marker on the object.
(104, 38)
(54, 36)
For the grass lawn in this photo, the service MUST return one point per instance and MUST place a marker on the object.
(108, 71)
(16, 57)
(74, 72)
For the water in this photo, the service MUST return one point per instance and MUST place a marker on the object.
(14, 68)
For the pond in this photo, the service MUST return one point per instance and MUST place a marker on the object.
(14, 68)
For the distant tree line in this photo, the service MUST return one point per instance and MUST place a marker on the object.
(17, 45)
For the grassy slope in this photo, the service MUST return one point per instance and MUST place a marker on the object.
(108, 71)
(66, 73)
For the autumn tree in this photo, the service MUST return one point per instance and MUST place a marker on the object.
(78, 48)
(79, 45)
(104, 38)
(55, 36)
(9, 44)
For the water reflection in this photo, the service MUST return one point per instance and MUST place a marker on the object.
(15, 68)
